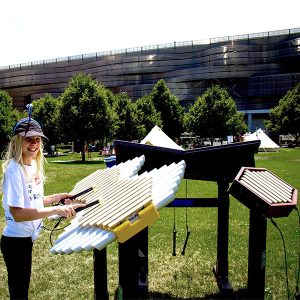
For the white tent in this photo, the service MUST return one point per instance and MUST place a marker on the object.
(156, 137)
(266, 144)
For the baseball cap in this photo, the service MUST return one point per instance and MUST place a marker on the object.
(29, 127)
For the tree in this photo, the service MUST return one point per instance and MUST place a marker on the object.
(8, 118)
(214, 114)
(110, 97)
(127, 124)
(147, 115)
(170, 109)
(85, 114)
(46, 112)
(285, 117)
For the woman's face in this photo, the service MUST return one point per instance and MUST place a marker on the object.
(30, 147)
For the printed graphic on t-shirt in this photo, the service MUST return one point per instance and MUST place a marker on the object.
(37, 179)
(29, 183)
(29, 187)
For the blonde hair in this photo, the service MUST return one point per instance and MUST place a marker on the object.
(14, 151)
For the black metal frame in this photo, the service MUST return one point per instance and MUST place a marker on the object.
(219, 164)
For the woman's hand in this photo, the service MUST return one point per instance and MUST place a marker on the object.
(68, 211)
(56, 198)
(65, 197)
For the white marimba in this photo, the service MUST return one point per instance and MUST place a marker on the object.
(127, 204)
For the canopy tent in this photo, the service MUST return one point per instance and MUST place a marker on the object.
(266, 144)
(156, 137)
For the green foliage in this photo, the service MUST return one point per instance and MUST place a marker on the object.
(285, 117)
(214, 114)
(85, 113)
(147, 115)
(127, 124)
(46, 112)
(110, 97)
(8, 118)
(170, 109)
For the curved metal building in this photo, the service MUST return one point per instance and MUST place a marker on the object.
(257, 69)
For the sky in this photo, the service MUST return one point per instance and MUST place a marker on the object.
(34, 30)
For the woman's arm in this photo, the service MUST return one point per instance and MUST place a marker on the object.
(30, 214)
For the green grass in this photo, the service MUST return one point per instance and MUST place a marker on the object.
(180, 277)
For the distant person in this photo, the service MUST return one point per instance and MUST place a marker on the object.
(90, 149)
(52, 149)
(23, 203)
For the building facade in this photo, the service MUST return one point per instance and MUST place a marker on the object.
(256, 69)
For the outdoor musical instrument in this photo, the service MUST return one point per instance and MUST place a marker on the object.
(127, 203)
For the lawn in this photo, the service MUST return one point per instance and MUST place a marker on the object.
(170, 277)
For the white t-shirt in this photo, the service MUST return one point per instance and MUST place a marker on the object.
(25, 189)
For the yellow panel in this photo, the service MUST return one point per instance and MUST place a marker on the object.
(129, 228)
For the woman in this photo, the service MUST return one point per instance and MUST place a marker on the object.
(23, 202)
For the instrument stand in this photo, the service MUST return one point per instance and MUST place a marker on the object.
(257, 255)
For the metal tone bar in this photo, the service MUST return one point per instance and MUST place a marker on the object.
(266, 187)
(256, 190)
(278, 182)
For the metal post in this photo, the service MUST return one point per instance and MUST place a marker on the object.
(257, 255)
(100, 275)
(221, 268)
(133, 266)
